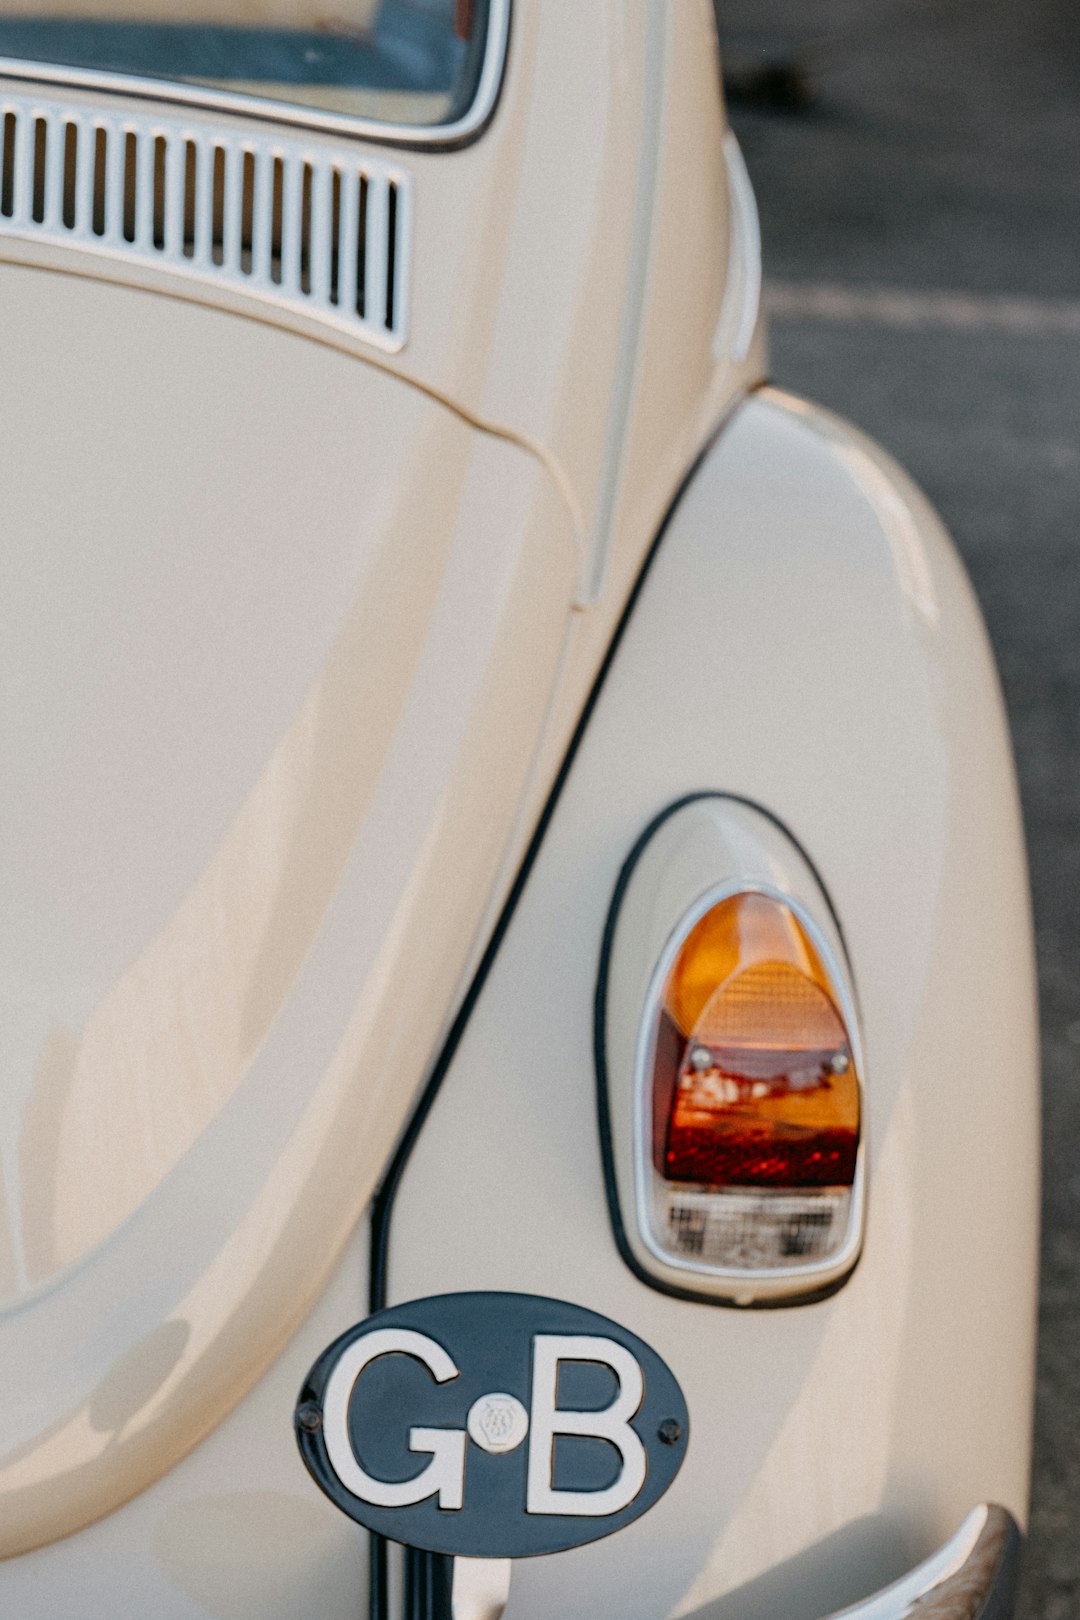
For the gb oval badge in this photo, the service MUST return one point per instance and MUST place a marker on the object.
(491, 1425)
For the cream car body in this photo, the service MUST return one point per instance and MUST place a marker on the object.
(301, 616)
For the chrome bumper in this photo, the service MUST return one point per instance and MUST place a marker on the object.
(973, 1577)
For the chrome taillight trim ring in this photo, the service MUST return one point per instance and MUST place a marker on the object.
(621, 1058)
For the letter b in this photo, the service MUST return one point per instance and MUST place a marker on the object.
(612, 1423)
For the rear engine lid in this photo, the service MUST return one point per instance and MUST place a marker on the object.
(277, 637)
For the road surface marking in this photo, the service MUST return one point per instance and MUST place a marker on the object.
(922, 311)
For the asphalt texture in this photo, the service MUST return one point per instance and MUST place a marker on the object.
(902, 149)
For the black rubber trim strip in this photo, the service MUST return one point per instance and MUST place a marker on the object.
(600, 1058)
(382, 1208)
(428, 1585)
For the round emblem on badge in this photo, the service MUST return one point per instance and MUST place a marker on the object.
(497, 1423)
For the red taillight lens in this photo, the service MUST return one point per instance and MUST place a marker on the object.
(754, 1092)
(765, 1093)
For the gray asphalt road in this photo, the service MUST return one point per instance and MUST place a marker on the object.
(940, 153)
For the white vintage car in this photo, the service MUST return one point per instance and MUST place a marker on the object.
(516, 963)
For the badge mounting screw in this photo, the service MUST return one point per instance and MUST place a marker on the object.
(670, 1432)
(308, 1417)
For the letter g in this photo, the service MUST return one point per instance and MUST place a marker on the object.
(444, 1474)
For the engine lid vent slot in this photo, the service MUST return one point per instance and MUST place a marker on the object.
(308, 225)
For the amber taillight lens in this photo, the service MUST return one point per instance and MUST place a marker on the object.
(754, 1092)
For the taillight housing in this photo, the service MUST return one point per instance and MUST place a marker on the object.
(734, 1117)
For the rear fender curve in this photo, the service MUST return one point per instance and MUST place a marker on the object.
(806, 639)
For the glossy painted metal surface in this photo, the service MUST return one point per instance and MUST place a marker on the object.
(282, 650)
(806, 638)
(235, 1531)
(610, 356)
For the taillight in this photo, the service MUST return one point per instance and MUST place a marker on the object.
(729, 1062)
(754, 1092)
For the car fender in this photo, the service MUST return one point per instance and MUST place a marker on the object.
(806, 638)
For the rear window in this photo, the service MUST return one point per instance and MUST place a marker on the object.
(411, 62)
